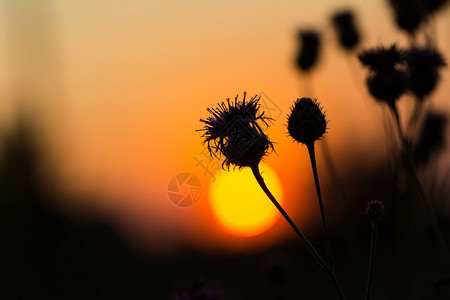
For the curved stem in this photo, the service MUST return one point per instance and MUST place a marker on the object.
(373, 243)
(312, 156)
(309, 246)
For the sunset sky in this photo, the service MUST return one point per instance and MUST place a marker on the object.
(116, 90)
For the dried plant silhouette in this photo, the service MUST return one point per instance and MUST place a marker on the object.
(388, 81)
(393, 74)
(397, 247)
(414, 72)
(233, 131)
(307, 124)
(346, 30)
(309, 49)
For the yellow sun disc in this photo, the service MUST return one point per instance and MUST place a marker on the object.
(240, 205)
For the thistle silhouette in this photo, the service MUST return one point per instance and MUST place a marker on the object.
(409, 14)
(233, 131)
(346, 30)
(307, 124)
(423, 66)
(386, 82)
(308, 51)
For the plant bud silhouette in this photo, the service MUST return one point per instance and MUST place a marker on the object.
(387, 85)
(409, 14)
(306, 123)
(386, 80)
(346, 30)
(423, 66)
(309, 48)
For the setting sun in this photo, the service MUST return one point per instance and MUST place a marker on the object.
(240, 205)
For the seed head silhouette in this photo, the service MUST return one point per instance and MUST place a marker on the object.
(409, 14)
(423, 66)
(386, 81)
(234, 131)
(309, 47)
(306, 122)
(344, 25)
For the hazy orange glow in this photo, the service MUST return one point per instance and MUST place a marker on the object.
(239, 203)
(118, 88)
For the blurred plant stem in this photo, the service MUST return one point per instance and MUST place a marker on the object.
(413, 128)
(309, 246)
(412, 170)
(373, 242)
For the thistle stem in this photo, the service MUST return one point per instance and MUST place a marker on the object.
(399, 127)
(412, 170)
(312, 156)
(309, 246)
(413, 126)
(373, 243)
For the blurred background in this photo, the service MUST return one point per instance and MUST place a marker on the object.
(99, 106)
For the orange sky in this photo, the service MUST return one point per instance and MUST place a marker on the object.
(119, 87)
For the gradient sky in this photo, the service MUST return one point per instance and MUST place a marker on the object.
(118, 87)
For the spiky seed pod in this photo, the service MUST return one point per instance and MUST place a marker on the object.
(375, 210)
(306, 123)
(387, 80)
(346, 30)
(381, 58)
(387, 86)
(409, 14)
(423, 66)
(309, 48)
(234, 131)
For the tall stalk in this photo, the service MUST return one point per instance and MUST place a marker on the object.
(312, 157)
(373, 242)
(309, 246)
(413, 172)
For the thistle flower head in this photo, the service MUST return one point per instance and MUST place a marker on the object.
(375, 210)
(234, 131)
(387, 80)
(423, 66)
(424, 58)
(346, 30)
(308, 49)
(306, 123)
(381, 58)
(387, 86)
(409, 14)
